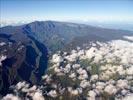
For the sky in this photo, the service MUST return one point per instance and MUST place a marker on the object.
(66, 10)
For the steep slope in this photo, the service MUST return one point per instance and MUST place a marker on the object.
(21, 58)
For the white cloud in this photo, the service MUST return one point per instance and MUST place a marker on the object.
(128, 97)
(84, 83)
(110, 89)
(52, 93)
(38, 96)
(129, 37)
(10, 97)
(92, 95)
(2, 43)
(2, 57)
(122, 84)
(94, 77)
(57, 58)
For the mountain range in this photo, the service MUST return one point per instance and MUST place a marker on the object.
(26, 48)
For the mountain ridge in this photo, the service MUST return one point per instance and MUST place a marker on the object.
(53, 33)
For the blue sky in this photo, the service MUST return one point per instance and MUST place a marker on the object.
(66, 10)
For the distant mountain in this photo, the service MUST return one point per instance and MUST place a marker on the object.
(26, 47)
(55, 35)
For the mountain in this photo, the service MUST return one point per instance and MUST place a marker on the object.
(55, 35)
(24, 49)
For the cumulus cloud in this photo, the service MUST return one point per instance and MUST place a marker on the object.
(92, 95)
(110, 89)
(52, 93)
(129, 37)
(74, 92)
(129, 97)
(72, 75)
(129, 70)
(94, 77)
(38, 96)
(21, 85)
(11, 97)
(2, 43)
(82, 74)
(122, 84)
(100, 86)
(2, 57)
(85, 84)
(57, 58)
